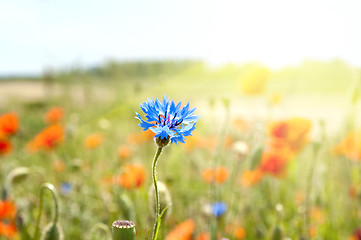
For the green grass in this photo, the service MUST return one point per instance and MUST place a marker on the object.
(321, 176)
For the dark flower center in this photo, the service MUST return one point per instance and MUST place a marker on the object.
(123, 224)
(165, 120)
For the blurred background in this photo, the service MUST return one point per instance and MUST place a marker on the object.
(276, 83)
(307, 47)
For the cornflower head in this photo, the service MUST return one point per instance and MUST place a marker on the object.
(218, 209)
(169, 122)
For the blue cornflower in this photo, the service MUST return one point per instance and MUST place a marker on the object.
(168, 120)
(218, 209)
(66, 188)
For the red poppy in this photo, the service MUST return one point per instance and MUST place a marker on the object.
(132, 177)
(7, 219)
(274, 163)
(54, 115)
(48, 139)
(294, 132)
(9, 124)
(5, 146)
(182, 231)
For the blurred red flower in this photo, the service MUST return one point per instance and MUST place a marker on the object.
(203, 236)
(218, 175)
(274, 163)
(5, 146)
(221, 174)
(93, 140)
(133, 176)
(350, 146)
(251, 177)
(293, 132)
(9, 124)
(208, 175)
(356, 234)
(235, 230)
(124, 152)
(139, 138)
(47, 139)
(182, 231)
(54, 115)
(7, 219)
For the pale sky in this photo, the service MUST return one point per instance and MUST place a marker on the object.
(35, 34)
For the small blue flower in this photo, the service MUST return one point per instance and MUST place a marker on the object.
(66, 188)
(218, 209)
(167, 120)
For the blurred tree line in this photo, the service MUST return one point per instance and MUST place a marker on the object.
(141, 69)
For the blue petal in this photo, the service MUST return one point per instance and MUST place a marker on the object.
(187, 130)
(164, 132)
(172, 108)
(145, 125)
(190, 119)
(184, 110)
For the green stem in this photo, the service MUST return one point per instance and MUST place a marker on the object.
(157, 208)
(309, 186)
(214, 226)
(52, 189)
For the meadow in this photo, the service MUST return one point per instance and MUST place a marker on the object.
(275, 153)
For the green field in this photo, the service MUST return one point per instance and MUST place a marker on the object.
(315, 196)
